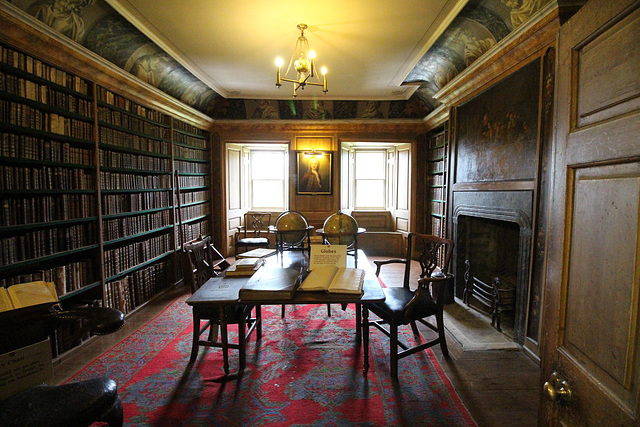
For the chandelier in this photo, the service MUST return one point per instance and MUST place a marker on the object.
(302, 61)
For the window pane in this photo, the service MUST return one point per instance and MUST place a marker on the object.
(268, 194)
(370, 194)
(370, 164)
(267, 164)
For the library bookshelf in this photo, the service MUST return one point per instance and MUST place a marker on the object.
(436, 182)
(89, 181)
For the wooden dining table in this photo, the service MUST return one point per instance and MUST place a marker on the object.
(220, 292)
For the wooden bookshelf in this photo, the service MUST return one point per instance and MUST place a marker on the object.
(436, 183)
(136, 205)
(192, 156)
(87, 189)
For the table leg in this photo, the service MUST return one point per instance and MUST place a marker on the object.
(358, 323)
(242, 341)
(196, 337)
(365, 336)
(258, 322)
(225, 341)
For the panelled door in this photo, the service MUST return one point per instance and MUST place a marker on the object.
(590, 352)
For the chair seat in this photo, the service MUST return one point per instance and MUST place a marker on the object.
(75, 404)
(395, 303)
(253, 241)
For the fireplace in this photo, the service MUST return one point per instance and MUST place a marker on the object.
(492, 230)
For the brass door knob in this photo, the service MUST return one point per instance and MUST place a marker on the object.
(557, 389)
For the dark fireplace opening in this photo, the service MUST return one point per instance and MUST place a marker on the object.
(488, 250)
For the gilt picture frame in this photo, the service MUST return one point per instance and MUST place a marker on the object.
(314, 173)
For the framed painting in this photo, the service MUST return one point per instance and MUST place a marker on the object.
(314, 173)
(497, 134)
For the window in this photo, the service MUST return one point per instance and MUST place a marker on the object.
(266, 184)
(370, 179)
(376, 176)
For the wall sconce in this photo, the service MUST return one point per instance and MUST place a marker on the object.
(313, 153)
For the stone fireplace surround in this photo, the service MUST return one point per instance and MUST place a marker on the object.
(502, 206)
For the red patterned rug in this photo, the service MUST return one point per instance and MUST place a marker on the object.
(305, 371)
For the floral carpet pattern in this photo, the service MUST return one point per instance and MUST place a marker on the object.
(306, 370)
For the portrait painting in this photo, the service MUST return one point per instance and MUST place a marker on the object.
(314, 173)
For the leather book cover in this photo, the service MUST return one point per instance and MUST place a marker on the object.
(271, 282)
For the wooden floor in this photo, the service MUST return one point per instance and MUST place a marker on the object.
(498, 387)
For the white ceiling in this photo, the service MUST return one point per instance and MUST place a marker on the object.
(368, 46)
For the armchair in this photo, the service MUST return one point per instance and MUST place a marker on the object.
(404, 306)
(76, 404)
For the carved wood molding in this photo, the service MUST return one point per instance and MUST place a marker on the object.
(333, 126)
(31, 36)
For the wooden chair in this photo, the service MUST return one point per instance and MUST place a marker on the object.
(404, 306)
(202, 262)
(254, 233)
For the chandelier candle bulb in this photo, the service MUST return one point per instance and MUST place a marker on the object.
(279, 63)
(324, 79)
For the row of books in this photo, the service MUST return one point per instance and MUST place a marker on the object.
(127, 181)
(135, 142)
(32, 210)
(435, 180)
(123, 103)
(193, 230)
(118, 118)
(181, 138)
(190, 167)
(437, 226)
(433, 167)
(29, 117)
(40, 69)
(44, 94)
(193, 181)
(39, 243)
(190, 153)
(117, 159)
(194, 196)
(129, 256)
(45, 178)
(132, 202)
(186, 127)
(436, 208)
(195, 211)
(32, 148)
(130, 225)
(67, 278)
(133, 290)
(436, 193)
(438, 140)
(436, 154)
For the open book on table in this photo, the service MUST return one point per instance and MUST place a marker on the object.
(330, 278)
(27, 294)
